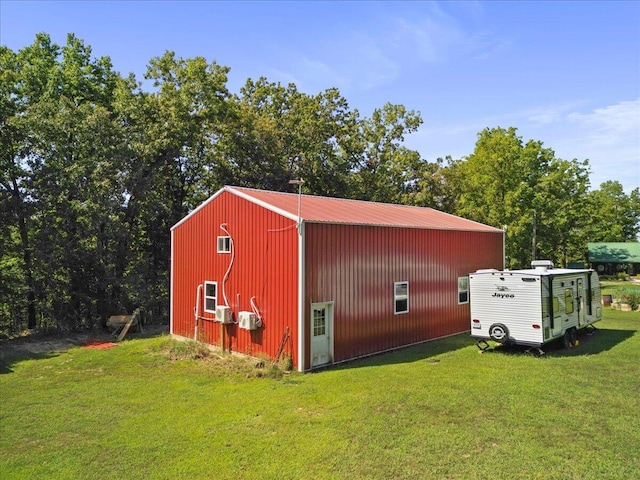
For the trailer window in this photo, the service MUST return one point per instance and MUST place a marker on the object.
(210, 296)
(400, 297)
(568, 301)
(463, 290)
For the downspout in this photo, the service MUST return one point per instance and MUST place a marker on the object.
(196, 312)
(301, 302)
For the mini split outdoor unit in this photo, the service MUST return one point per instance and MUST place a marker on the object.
(247, 320)
(223, 314)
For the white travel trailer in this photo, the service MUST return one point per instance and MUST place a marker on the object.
(534, 306)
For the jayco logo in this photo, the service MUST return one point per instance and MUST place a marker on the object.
(503, 295)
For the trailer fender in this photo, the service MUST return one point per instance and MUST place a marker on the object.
(499, 333)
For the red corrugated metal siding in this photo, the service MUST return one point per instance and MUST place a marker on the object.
(356, 267)
(265, 266)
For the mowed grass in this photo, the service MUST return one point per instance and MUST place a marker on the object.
(439, 410)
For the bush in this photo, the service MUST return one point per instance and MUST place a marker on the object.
(631, 298)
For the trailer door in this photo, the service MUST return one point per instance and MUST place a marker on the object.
(580, 301)
(556, 308)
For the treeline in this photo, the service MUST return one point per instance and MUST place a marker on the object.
(95, 169)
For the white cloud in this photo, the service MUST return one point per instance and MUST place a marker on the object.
(548, 114)
(611, 125)
(609, 137)
(383, 51)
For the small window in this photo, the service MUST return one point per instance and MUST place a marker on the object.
(463, 290)
(401, 297)
(568, 301)
(556, 305)
(319, 322)
(210, 296)
(224, 244)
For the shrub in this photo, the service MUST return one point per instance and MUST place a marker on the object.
(631, 298)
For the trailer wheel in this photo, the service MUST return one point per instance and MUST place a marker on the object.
(499, 333)
(570, 338)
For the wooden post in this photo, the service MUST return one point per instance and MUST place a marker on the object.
(222, 336)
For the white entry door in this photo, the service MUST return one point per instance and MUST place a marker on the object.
(321, 333)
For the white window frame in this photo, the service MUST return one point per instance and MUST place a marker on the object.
(224, 244)
(400, 297)
(210, 297)
(466, 291)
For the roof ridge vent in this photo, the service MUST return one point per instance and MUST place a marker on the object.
(542, 265)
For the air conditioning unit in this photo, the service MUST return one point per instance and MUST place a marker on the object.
(223, 314)
(247, 320)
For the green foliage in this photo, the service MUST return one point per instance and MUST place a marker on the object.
(631, 298)
(614, 215)
(542, 201)
(388, 171)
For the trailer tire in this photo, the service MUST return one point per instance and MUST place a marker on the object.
(570, 338)
(499, 333)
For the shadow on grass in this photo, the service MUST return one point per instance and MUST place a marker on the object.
(8, 360)
(590, 343)
(414, 353)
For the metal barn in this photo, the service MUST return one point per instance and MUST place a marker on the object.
(322, 280)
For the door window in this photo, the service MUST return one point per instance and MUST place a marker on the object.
(319, 322)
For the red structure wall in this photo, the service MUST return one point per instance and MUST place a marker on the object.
(356, 267)
(265, 265)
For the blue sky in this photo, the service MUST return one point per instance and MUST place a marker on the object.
(564, 73)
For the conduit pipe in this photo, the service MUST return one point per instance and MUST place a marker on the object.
(196, 311)
(255, 309)
(233, 254)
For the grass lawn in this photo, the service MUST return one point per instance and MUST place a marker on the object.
(439, 410)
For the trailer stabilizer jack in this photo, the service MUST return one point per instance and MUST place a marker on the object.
(483, 345)
(535, 351)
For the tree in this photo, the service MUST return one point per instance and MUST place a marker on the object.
(539, 198)
(23, 80)
(171, 135)
(489, 176)
(562, 203)
(59, 149)
(615, 216)
(388, 171)
(277, 133)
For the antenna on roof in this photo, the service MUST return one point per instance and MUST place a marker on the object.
(298, 182)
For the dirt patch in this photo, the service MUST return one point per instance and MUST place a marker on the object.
(39, 344)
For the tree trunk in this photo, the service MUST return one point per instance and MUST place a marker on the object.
(26, 255)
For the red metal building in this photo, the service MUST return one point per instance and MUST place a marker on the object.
(320, 279)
